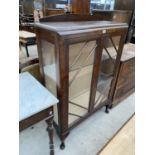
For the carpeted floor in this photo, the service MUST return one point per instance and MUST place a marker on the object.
(86, 139)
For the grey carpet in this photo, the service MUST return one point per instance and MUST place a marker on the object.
(86, 139)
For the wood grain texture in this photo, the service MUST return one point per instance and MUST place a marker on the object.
(49, 12)
(80, 6)
(124, 4)
(124, 142)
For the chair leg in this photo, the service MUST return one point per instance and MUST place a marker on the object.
(20, 46)
(27, 53)
(50, 133)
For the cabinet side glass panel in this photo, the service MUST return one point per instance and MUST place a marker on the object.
(49, 68)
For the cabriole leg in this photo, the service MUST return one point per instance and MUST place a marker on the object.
(62, 146)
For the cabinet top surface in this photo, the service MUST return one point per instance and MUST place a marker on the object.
(76, 26)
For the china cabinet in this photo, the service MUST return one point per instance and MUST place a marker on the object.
(71, 50)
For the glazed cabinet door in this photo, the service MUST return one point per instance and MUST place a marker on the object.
(81, 60)
(111, 53)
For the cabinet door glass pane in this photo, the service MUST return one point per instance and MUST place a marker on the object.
(109, 54)
(81, 59)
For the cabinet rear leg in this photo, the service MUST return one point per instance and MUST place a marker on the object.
(107, 109)
(110, 106)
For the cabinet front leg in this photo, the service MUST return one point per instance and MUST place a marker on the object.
(62, 146)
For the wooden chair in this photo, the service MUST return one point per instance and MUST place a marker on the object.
(27, 38)
(31, 66)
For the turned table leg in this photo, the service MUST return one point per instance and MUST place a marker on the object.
(49, 122)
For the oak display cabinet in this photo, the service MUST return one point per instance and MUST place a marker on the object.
(71, 50)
